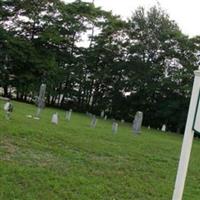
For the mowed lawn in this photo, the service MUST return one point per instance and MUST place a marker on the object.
(71, 161)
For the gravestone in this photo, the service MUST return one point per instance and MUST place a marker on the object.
(163, 128)
(93, 122)
(68, 115)
(54, 119)
(114, 127)
(137, 122)
(102, 114)
(122, 121)
(149, 127)
(105, 117)
(8, 108)
(40, 101)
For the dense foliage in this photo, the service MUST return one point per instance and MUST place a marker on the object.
(145, 63)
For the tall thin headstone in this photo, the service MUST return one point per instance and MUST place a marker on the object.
(105, 117)
(40, 100)
(93, 122)
(137, 122)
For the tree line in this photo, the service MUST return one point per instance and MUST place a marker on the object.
(143, 63)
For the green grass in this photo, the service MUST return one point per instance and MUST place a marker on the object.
(39, 160)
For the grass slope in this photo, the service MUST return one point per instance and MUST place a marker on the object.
(72, 161)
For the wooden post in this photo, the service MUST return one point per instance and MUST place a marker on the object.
(187, 141)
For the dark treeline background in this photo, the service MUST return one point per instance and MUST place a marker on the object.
(144, 63)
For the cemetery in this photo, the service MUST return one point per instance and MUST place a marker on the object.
(96, 106)
(76, 161)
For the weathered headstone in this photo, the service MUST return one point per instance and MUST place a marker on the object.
(137, 122)
(8, 108)
(40, 101)
(163, 128)
(149, 127)
(68, 115)
(93, 122)
(105, 117)
(54, 118)
(122, 121)
(102, 114)
(114, 127)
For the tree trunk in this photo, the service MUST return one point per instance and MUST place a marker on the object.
(5, 88)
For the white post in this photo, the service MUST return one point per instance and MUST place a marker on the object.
(187, 141)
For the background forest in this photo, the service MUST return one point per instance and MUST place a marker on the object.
(92, 60)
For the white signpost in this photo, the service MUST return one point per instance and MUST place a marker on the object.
(192, 125)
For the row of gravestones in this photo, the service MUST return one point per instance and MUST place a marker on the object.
(68, 115)
(40, 102)
(137, 123)
(93, 122)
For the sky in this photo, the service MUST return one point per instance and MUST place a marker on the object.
(186, 13)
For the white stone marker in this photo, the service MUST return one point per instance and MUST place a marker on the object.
(105, 117)
(149, 127)
(163, 128)
(114, 127)
(68, 115)
(40, 101)
(187, 140)
(54, 119)
(93, 122)
(137, 122)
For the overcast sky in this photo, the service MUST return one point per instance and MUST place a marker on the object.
(185, 12)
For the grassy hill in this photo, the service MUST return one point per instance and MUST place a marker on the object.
(71, 161)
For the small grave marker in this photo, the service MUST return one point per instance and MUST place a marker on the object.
(54, 119)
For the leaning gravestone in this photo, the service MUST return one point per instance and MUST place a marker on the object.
(68, 115)
(93, 122)
(54, 119)
(114, 127)
(137, 123)
(40, 101)
(163, 128)
(105, 117)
